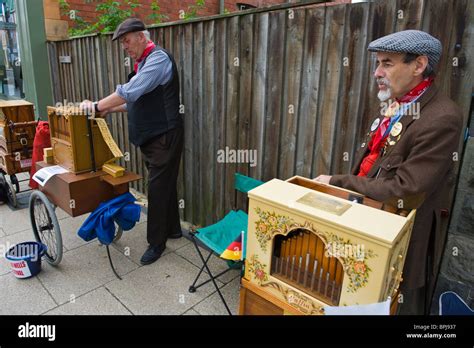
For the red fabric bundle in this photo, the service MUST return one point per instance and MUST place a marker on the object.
(42, 141)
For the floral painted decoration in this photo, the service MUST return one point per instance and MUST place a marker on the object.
(257, 269)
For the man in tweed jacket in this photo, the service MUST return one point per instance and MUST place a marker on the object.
(408, 155)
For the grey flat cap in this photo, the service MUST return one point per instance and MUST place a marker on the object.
(410, 41)
(127, 26)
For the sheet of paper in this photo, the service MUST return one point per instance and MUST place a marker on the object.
(43, 175)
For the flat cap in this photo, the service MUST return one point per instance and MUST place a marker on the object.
(127, 26)
(410, 41)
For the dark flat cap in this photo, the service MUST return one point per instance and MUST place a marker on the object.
(127, 26)
(410, 41)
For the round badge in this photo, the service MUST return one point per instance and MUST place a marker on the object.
(396, 129)
(375, 124)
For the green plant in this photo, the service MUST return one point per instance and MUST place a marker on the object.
(192, 11)
(156, 17)
(111, 14)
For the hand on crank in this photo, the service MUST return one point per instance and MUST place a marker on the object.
(323, 179)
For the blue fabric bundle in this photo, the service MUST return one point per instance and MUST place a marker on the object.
(100, 223)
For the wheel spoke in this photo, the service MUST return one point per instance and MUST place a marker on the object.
(45, 228)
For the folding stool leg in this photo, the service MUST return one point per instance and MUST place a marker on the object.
(193, 288)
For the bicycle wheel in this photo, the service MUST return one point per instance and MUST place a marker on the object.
(46, 227)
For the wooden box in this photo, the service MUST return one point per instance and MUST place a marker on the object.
(17, 136)
(79, 194)
(16, 163)
(70, 140)
(16, 111)
(308, 246)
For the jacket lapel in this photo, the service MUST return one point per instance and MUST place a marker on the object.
(405, 121)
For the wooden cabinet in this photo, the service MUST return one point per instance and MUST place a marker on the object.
(308, 248)
(78, 194)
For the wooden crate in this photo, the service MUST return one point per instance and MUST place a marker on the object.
(72, 192)
(17, 136)
(16, 163)
(70, 140)
(16, 111)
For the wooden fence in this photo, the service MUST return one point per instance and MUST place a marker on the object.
(295, 84)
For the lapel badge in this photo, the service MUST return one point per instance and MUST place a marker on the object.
(396, 129)
(375, 124)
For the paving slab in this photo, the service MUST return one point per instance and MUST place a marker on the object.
(191, 312)
(69, 227)
(97, 302)
(82, 270)
(13, 221)
(160, 288)
(2, 234)
(23, 296)
(216, 264)
(61, 214)
(213, 304)
(134, 243)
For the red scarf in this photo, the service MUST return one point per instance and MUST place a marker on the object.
(378, 140)
(149, 47)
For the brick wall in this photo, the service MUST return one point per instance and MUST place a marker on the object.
(86, 8)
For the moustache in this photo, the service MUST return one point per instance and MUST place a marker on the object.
(383, 81)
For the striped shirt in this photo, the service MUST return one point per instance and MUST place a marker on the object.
(155, 71)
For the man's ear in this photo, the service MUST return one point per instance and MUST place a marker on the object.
(421, 63)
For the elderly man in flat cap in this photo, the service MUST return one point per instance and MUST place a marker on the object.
(151, 98)
(407, 156)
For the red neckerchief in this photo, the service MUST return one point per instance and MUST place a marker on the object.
(377, 141)
(149, 47)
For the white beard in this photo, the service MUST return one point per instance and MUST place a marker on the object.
(384, 95)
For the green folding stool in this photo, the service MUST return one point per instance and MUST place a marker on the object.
(217, 237)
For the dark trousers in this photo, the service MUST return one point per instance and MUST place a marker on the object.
(162, 157)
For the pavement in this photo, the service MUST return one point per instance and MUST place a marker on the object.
(84, 284)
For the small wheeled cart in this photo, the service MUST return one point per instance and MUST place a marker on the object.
(76, 194)
(17, 133)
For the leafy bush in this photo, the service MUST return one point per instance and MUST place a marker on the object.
(111, 14)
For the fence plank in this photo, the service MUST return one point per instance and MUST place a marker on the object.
(232, 108)
(208, 162)
(259, 77)
(197, 121)
(274, 92)
(189, 130)
(220, 115)
(330, 83)
(353, 62)
(291, 89)
(245, 95)
(315, 18)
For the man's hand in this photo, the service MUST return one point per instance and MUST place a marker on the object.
(87, 106)
(323, 179)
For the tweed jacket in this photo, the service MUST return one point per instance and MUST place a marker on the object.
(417, 168)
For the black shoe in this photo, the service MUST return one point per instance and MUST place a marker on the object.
(175, 235)
(152, 254)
